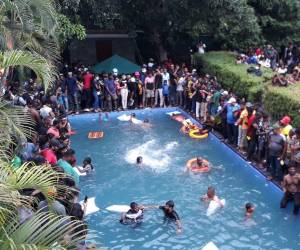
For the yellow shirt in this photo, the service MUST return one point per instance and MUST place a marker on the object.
(286, 130)
(244, 119)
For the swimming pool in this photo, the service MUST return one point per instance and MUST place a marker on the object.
(118, 181)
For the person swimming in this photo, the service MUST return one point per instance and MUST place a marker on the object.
(211, 196)
(200, 163)
(134, 120)
(139, 160)
(87, 166)
(171, 214)
(249, 210)
(134, 214)
(197, 165)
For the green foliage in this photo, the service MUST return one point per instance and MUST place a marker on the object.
(232, 24)
(42, 230)
(233, 76)
(68, 30)
(29, 25)
(15, 58)
(278, 101)
(279, 20)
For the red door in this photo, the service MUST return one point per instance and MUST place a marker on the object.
(103, 49)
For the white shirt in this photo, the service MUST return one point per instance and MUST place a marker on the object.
(282, 70)
(201, 48)
(45, 111)
(180, 84)
(166, 77)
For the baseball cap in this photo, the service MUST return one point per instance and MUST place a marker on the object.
(285, 120)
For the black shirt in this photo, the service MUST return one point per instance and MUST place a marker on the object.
(170, 215)
(158, 81)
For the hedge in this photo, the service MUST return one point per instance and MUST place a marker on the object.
(280, 101)
(277, 101)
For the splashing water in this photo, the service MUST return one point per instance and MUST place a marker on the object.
(154, 155)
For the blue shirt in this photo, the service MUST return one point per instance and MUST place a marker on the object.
(165, 89)
(110, 85)
(71, 84)
(231, 119)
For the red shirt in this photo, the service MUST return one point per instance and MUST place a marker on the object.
(258, 52)
(49, 155)
(87, 81)
(250, 130)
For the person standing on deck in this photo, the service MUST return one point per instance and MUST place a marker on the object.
(291, 189)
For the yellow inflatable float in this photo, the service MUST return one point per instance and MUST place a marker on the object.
(198, 134)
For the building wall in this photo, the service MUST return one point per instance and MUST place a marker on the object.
(85, 51)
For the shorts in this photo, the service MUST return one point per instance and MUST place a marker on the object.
(150, 93)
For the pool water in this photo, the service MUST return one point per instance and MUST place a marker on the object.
(117, 180)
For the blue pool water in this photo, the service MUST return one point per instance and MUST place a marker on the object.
(118, 181)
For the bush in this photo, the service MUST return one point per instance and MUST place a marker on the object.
(280, 101)
(233, 77)
(277, 101)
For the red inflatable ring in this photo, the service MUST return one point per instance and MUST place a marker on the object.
(192, 166)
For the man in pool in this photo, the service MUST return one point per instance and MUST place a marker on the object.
(139, 160)
(211, 196)
(249, 210)
(171, 214)
(291, 189)
(200, 163)
(134, 214)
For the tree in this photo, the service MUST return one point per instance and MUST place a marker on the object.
(36, 26)
(42, 230)
(232, 23)
(29, 25)
(15, 58)
(279, 20)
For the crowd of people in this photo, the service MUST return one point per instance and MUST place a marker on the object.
(246, 127)
(49, 145)
(285, 66)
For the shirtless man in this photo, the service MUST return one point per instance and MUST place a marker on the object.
(291, 189)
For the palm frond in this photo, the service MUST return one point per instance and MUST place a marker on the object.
(43, 69)
(14, 123)
(48, 230)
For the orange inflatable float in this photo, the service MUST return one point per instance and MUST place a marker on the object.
(95, 134)
(198, 165)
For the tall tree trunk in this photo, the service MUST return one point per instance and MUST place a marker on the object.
(162, 52)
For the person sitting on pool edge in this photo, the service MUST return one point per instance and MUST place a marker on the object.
(171, 214)
(249, 210)
(211, 196)
(134, 214)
